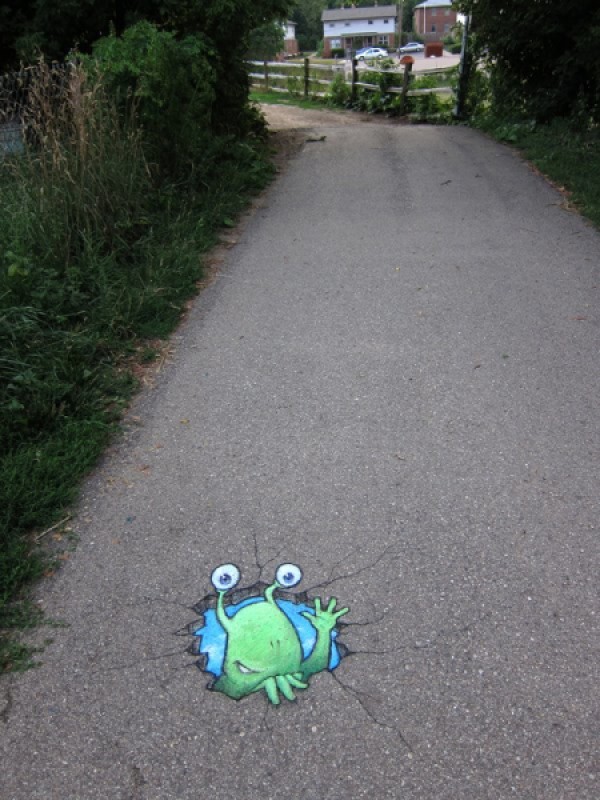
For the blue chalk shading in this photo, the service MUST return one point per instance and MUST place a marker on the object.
(213, 638)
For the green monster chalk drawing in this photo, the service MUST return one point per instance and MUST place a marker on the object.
(266, 642)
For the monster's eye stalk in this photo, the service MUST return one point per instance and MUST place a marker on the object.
(288, 575)
(225, 577)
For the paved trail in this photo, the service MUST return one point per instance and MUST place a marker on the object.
(393, 382)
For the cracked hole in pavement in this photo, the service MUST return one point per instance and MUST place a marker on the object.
(263, 637)
(280, 639)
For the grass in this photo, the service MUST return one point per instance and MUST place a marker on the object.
(571, 159)
(313, 60)
(98, 255)
(566, 152)
(286, 99)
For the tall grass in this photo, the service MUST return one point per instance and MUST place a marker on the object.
(566, 150)
(98, 250)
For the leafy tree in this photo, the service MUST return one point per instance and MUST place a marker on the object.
(227, 24)
(168, 80)
(266, 41)
(408, 8)
(309, 28)
(57, 26)
(542, 54)
(13, 19)
(342, 3)
(29, 28)
(54, 27)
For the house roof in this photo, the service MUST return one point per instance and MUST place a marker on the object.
(435, 4)
(370, 12)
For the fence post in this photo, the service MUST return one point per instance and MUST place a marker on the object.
(306, 77)
(405, 84)
(266, 76)
(354, 80)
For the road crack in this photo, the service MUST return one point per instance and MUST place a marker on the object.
(7, 707)
(359, 697)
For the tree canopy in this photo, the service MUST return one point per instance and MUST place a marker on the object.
(54, 27)
(542, 54)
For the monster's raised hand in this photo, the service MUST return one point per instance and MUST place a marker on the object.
(325, 619)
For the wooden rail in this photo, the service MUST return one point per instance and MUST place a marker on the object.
(301, 78)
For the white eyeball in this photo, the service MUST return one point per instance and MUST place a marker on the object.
(288, 575)
(225, 577)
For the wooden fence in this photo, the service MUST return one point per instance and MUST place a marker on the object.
(314, 80)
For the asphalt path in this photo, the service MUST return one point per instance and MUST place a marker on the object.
(392, 382)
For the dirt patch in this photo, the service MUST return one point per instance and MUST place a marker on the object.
(290, 127)
(282, 118)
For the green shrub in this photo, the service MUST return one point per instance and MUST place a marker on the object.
(100, 246)
(338, 91)
(429, 108)
(295, 85)
(172, 85)
(379, 100)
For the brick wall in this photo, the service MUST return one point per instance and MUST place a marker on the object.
(434, 23)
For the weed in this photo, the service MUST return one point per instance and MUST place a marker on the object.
(338, 92)
(566, 151)
(282, 99)
(99, 250)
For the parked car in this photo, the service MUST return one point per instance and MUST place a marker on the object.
(371, 52)
(412, 47)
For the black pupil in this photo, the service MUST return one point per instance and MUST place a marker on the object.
(225, 578)
(288, 577)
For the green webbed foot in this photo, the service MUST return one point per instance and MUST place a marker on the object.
(285, 688)
(296, 681)
(270, 687)
(284, 684)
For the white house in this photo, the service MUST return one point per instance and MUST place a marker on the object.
(290, 45)
(353, 28)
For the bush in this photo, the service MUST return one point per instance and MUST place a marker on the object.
(338, 92)
(172, 84)
(295, 85)
(431, 108)
(99, 249)
(380, 100)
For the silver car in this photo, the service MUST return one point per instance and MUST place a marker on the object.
(412, 47)
(371, 52)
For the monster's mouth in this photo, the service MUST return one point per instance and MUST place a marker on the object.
(246, 670)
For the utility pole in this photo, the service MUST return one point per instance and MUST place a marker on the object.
(464, 69)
